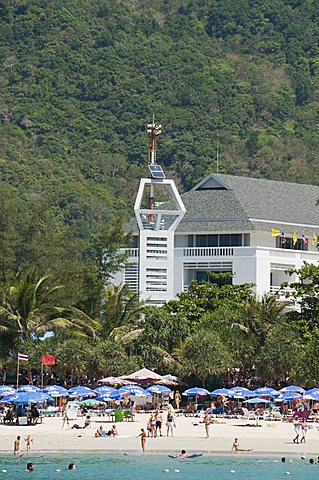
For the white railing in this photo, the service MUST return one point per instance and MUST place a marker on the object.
(132, 252)
(208, 252)
(282, 290)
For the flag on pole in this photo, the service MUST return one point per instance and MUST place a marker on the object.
(314, 239)
(294, 238)
(283, 238)
(304, 239)
(275, 233)
(48, 359)
(22, 357)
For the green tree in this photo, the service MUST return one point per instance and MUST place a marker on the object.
(204, 354)
(28, 311)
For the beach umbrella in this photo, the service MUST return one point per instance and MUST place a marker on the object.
(29, 388)
(267, 391)
(290, 396)
(24, 398)
(311, 396)
(81, 392)
(115, 381)
(144, 375)
(312, 391)
(108, 398)
(5, 390)
(292, 388)
(196, 392)
(131, 390)
(169, 380)
(105, 390)
(7, 399)
(221, 391)
(56, 391)
(256, 401)
(159, 389)
(91, 402)
(239, 392)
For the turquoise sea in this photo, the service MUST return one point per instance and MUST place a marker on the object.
(146, 467)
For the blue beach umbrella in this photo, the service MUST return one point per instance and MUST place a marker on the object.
(56, 391)
(256, 401)
(105, 397)
(292, 388)
(29, 388)
(81, 392)
(267, 391)
(241, 392)
(196, 392)
(5, 390)
(221, 391)
(312, 391)
(24, 398)
(105, 390)
(160, 389)
(290, 396)
(131, 390)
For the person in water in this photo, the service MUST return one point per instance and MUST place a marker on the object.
(183, 454)
(30, 467)
(235, 447)
(71, 466)
(16, 446)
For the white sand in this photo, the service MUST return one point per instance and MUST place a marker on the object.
(269, 438)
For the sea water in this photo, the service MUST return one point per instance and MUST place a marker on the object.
(155, 467)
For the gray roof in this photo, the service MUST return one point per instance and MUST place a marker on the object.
(227, 203)
(230, 203)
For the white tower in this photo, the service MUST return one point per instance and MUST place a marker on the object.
(157, 224)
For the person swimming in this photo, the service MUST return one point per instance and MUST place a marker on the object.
(183, 454)
(30, 467)
(71, 466)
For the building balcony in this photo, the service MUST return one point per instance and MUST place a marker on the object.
(187, 253)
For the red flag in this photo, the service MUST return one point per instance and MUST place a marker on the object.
(48, 359)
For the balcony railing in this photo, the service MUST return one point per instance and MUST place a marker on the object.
(132, 252)
(208, 252)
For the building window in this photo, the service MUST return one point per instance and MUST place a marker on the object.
(289, 244)
(203, 276)
(223, 240)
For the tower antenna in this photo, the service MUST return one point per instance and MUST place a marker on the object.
(153, 129)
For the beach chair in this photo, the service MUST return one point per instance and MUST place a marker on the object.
(276, 415)
(248, 415)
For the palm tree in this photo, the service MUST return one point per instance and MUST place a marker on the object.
(27, 311)
(121, 312)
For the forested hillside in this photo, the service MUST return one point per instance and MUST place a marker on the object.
(80, 78)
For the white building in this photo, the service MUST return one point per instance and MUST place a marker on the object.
(224, 224)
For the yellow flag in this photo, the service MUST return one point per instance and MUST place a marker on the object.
(275, 233)
(294, 238)
(314, 239)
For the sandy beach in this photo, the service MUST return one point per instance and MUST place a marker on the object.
(270, 438)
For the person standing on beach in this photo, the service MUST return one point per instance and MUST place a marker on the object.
(28, 440)
(304, 429)
(207, 421)
(16, 446)
(297, 430)
(159, 420)
(142, 435)
(177, 399)
(170, 423)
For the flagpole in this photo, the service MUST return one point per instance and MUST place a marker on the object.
(42, 374)
(18, 368)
